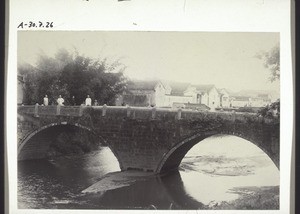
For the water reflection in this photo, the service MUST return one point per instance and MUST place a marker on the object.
(215, 166)
(174, 186)
(52, 183)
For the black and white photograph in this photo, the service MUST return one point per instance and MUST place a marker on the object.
(148, 120)
(131, 106)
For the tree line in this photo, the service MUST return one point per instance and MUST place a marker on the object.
(72, 74)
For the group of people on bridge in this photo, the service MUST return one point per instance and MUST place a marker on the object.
(61, 101)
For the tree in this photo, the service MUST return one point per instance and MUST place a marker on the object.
(271, 61)
(72, 74)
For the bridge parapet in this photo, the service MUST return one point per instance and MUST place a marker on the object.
(140, 113)
(50, 110)
(46, 110)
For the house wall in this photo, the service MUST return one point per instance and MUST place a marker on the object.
(214, 99)
(224, 101)
(224, 98)
(168, 88)
(139, 98)
(204, 99)
(240, 103)
(159, 95)
(259, 102)
(191, 92)
(169, 100)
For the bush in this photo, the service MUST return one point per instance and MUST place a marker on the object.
(271, 111)
(248, 109)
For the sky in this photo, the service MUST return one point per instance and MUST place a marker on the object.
(225, 59)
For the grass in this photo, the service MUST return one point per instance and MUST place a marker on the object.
(251, 198)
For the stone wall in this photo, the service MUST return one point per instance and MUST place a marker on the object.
(153, 139)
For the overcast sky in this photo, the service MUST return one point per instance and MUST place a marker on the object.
(224, 59)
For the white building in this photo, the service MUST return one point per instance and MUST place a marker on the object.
(176, 94)
(204, 94)
(162, 94)
(240, 101)
(224, 98)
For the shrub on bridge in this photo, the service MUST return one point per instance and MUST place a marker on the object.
(248, 109)
(271, 111)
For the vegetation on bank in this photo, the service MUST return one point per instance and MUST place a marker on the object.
(270, 111)
(251, 198)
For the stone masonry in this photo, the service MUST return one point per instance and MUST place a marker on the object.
(148, 139)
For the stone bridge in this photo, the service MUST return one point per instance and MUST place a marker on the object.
(149, 139)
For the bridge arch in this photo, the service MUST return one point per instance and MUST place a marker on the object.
(172, 159)
(25, 140)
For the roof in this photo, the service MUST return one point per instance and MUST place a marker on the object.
(241, 98)
(142, 85)
(255, 93)
(178, 88)
(222, 89)
(204, 88)
(265, 96)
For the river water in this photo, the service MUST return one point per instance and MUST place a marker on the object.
(221, 172)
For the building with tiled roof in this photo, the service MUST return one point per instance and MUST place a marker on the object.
(165, 94)
(174, 94)
(224, 98)
(178, 88)
(142, 85)
(143, 93)
(240, 101)
(204, 94)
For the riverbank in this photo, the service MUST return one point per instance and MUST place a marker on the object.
(223, 166)
(250, 198)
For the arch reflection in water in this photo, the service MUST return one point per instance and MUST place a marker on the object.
(57, 182)
(174, 186)
(217, 168)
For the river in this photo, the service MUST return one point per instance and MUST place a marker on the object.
(221, 172)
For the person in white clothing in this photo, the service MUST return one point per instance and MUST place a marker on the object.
(46, 101)
(88, 101)
(60, 101)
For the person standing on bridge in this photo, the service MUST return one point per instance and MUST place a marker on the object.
(60, 100)
(46, 101)
(88, 101)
